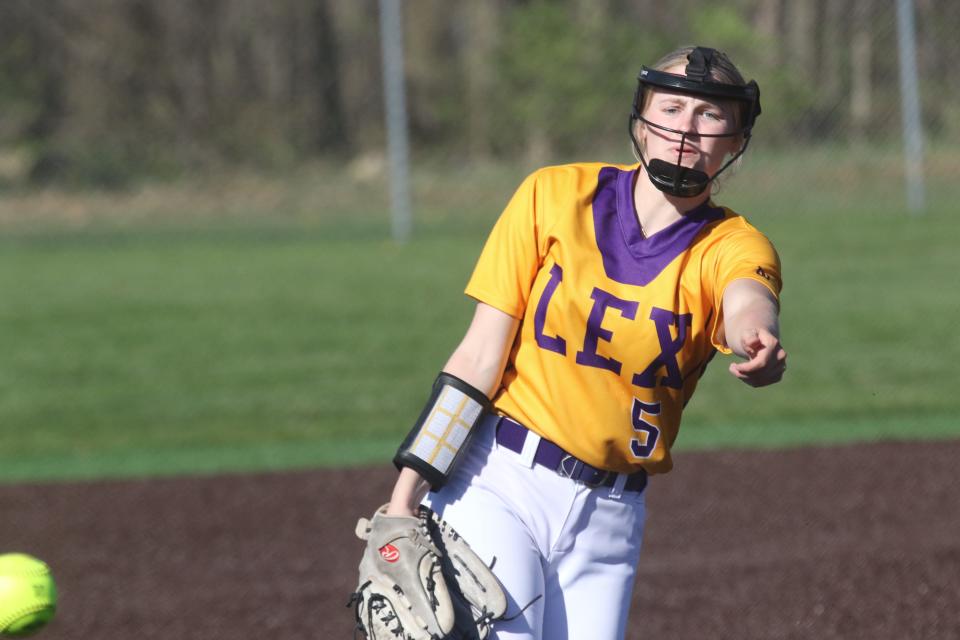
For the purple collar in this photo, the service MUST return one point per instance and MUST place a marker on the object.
(628, 256)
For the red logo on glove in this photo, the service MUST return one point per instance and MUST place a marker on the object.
(389, 553)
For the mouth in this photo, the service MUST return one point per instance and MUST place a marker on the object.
(686, 151)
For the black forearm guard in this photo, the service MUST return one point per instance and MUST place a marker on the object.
(443, 430)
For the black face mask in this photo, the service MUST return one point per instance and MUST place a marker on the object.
(675, 179)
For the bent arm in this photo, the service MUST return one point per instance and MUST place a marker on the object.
(482, 354)
(479, 360)
(751, 329)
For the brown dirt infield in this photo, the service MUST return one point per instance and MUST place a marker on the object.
(823, 543)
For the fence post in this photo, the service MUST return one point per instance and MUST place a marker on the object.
(398, 150)
(910, 107)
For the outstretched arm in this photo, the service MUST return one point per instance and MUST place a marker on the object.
(478, 360)
(752, 331)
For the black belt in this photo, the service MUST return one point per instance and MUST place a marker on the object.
(511, 434)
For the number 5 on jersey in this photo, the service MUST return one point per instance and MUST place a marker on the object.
(643, 447)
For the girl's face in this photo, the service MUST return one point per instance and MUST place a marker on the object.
(694, 115)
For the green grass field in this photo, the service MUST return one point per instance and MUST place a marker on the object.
(281, 340)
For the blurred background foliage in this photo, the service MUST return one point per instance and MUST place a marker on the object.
(105, 92)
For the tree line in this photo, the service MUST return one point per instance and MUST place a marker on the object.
(104, 90)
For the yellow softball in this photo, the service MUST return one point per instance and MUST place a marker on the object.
(28, 596)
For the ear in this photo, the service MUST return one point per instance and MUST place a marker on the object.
(737, 143)
(640, 132)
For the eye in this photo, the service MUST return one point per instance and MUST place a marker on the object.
(713, 115)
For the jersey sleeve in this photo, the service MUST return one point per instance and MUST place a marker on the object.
(748, 254)
(508, 264)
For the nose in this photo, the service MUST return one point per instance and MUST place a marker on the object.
(690, 123)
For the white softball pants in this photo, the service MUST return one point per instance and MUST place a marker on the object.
(575, 546)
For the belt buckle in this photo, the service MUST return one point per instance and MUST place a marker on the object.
(575, 469)
(598, 483)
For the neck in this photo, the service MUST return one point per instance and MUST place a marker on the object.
(657, 210)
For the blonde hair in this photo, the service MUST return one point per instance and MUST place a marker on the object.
(722, 71)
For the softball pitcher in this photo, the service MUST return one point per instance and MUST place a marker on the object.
(603, 292)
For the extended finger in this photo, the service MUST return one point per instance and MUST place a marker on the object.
(761, 369)
(756, 363)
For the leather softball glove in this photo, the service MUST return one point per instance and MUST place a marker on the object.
(420, 580)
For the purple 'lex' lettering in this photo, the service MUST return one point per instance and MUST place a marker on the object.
(669, 348)
(550, 343)
(601, 301)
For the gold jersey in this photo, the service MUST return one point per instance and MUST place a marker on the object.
(616, 328)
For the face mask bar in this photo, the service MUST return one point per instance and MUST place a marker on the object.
(676, 179)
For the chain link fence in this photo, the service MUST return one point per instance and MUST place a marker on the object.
(538, 83)
(106, 93)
